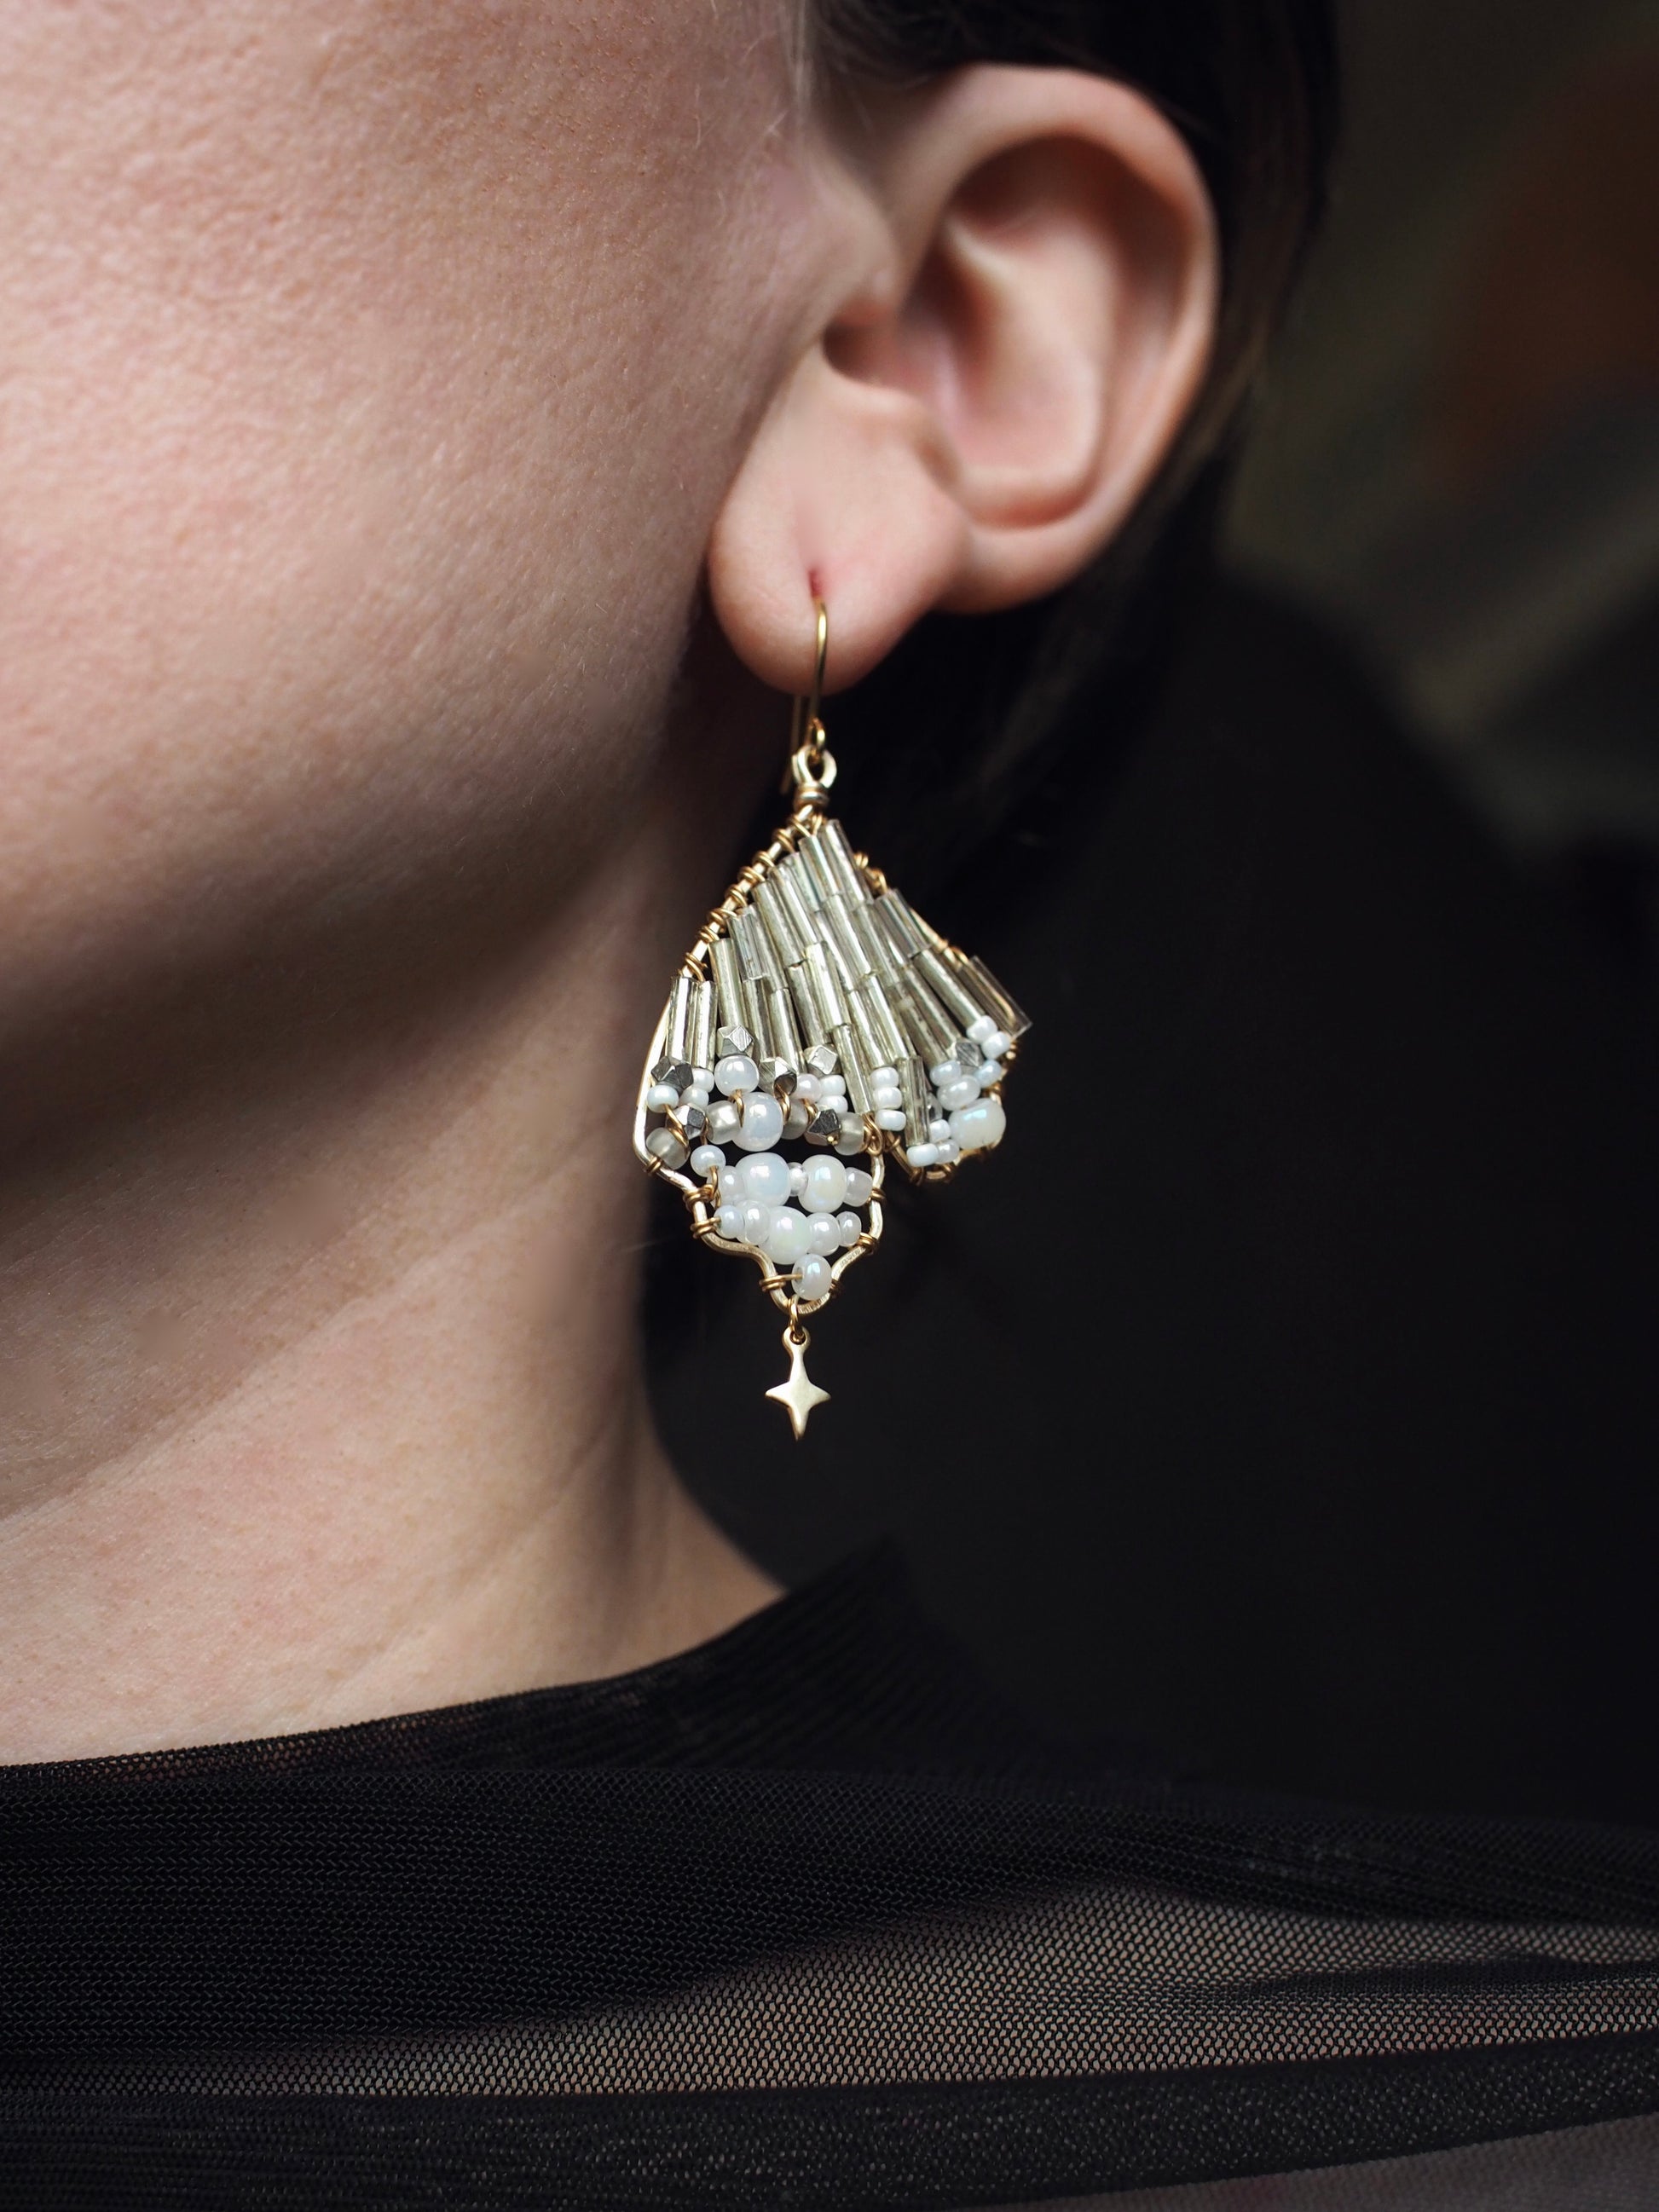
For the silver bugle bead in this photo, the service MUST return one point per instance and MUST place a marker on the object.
(678, 1041)
(858, 1082)
(728, 978)
(703, 1026)
(1004, 1010)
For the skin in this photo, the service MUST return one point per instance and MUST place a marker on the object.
(422, 429)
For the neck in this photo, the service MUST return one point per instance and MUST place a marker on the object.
(325, 1397)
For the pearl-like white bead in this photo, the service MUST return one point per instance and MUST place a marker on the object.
(808, 1089)
(887, 1096)
(889, 1117)
(987, 1072)
(938, 1130)
(762, 1122)
(981, 1029)
(859, 1187)
(797, 1180)
(977, 1127)
(709, 1160)
(766, 1177)
(996, 1045)
(949, 1150)
(729, 1222)
(825, 1232)
(660, 1097)
(731, 1185)
(832, 1086)
(663, 1144)
(962, 1091)
(813, 1277)
(824, 1184)
(789, 1239)
(922, 1156)
(757, 1225)
(851, 1230)
(882, 1076)
(737, 1074)
(703, 1078)
(944, 1071)
(694, 1095)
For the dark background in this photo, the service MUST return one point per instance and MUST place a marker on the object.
(1285, 1389)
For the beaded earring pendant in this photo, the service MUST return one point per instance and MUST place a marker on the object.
(818, 1029)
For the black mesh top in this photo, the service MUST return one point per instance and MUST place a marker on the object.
(802, 1918)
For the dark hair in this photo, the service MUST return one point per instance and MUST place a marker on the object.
(964, 715)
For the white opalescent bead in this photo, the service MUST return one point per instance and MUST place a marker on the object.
(859, 1187)
(889, 1117)
(757, 1225)
(824, 1185)
(977, 1127)
(850, 1143)
(981, 1029)
(762, 1122)
(938, 1130)
(996, 1045)
(813, 1277)
(660, 1097)
(949, 1150)
(922, 1156)
(737, 1074)
(962, 1091)
(882, 1078)
(663, 1144)
(789, 1238)
(987, 1072)
(825, 1232)
(724, 1120)
(797, 1180)
(731, 1185)
(851, 1229)
(703, 1078)
(729, 1222)
(887, 1095)
(766, 1177)
(945, 1071)
(709, 1160)
(694, 1095)
(832, 1086)
(808, 1089)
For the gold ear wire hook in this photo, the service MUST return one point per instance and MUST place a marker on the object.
(809, 759)
(805, 716)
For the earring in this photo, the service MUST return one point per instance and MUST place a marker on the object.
(817, 1009)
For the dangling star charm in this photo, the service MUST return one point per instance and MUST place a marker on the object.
(800, 1392)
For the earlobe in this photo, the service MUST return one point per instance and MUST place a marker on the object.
(987, 403)
(848, 493)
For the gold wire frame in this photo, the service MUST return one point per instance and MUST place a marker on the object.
(812, 771)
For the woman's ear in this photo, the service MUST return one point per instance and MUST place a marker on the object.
(1004, 368)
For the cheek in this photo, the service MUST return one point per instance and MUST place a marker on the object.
(369, 378)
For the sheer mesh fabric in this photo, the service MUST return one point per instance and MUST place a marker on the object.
(800, 1918)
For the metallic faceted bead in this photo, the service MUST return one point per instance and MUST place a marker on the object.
(731, 1040)
(777, 1076)
(822, 1060)
(824, 1127)
(674, 1072)
(692, 1122)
